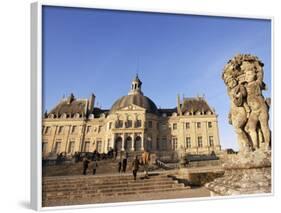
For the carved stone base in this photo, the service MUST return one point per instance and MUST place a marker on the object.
(245, 173)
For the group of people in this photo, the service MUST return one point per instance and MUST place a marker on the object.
(122, 165)
(86, 163)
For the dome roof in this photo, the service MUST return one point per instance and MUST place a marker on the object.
(136, 99)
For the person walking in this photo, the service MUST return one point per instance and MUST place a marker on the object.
(135, 167)
(145, 162)
(85, 165)
(95, 165)
(124, 164)
(119, 166)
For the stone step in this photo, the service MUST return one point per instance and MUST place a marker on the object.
(59, 187)
(92, 178)
(90, 194)
(112, 190)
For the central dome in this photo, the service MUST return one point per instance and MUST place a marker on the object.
(135, 97)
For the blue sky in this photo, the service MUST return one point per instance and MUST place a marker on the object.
(100, 51)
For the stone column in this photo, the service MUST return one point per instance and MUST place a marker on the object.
(123, 142)
(142, 142)
(133, 142)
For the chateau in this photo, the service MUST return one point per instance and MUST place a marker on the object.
(133, 123)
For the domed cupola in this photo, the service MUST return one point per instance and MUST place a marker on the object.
(136, 97)
(136, 86)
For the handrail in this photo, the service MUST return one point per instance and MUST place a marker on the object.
(164, 165)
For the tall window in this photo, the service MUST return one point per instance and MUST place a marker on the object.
(87, 146)
(210, 125)
(149, 124)
(44, 147)
(89, 129)
(174, 126)
(109, 125)
(57, 147)
(99, 146)
(164, 143)
(129, 123)
(60, 130)
(187, 125)
(188, 142)
(108, 144)
(47, 130)
(174, 143)
(119, 124)
(71, 147)
(211, 140)
(73, 129)
(200, 143)
(138, 123)
(198, 125)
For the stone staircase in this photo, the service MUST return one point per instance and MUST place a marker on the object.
(104, 167)
(71, 190)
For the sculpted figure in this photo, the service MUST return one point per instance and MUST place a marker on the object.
(243, 76)
(238, 112)
(259, 109)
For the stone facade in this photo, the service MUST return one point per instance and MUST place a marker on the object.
(134, 123)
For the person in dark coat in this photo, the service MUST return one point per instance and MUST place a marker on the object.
(85, 165)
(119, 166)
(135, 167)
(124, 164)
(95, 165)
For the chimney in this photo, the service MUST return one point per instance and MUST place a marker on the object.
(91, 103)
(179, 106)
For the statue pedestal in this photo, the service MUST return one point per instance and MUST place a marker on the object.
(245, 173)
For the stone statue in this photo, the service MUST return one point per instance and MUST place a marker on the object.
(249, 171)
(243, 76)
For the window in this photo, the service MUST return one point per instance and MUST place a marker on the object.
(188, 142)
(87, 146)
(163, 126)
(200, 143)
(89, 129)
(187, 125)
(211, 140)
(138, 123)
(57, 147)
(158, 144)
(149, 124)
(129, 124)
(109, 125)
(99, 128)
(119, 124)
(47, 130)
(198, 125)
(174, 126)
(71, 147)
(60, 130)
(108, 144)
(164, 143)
(210, 124)
(73, 129)
(174, 143)
(44, 147)
(99, 146)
